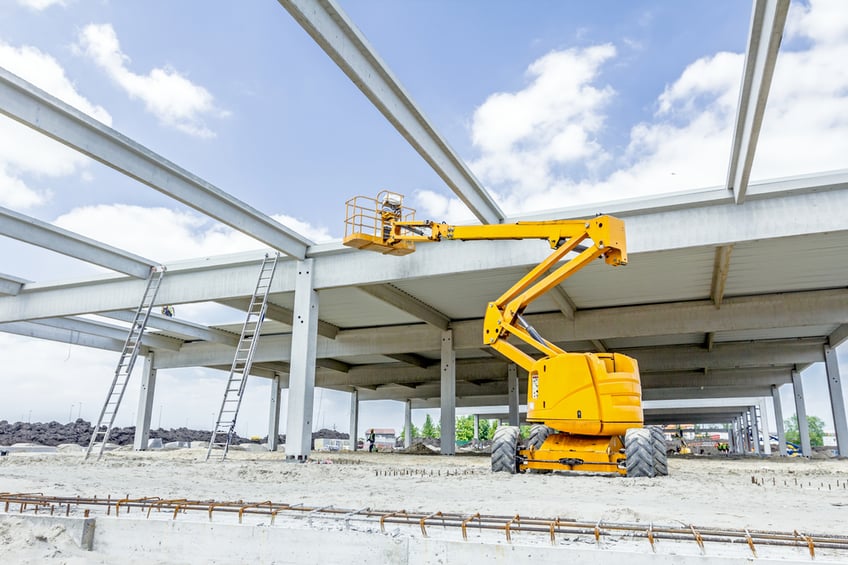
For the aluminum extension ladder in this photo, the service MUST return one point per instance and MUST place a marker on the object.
(243, 360)
(125, 363)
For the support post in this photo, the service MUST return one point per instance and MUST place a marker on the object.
(476, 430)
(145, 404)
(837, 400)
(354, 419)
(801, 413)
(765, 427)
(778, 420)
(407, 422)
(731, 440)
(512, 380)
(274, 414)
(448, 399)
(302, 372)
(746, 431)
(755, 429)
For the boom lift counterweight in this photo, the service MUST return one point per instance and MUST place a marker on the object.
(586, 406)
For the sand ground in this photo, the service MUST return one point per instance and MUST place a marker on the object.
(774, 494)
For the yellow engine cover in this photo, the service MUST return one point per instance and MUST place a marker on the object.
(593, 394)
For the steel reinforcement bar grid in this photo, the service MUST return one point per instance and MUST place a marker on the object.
(37, 503)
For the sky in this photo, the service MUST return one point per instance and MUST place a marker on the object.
(551, 104)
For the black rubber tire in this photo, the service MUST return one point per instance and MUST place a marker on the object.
(538, 434)
(505, 449)
(660, 454)
(639, 450)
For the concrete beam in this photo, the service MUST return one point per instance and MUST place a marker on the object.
(685, 392)
(30, 329)
(44, 113)
(767, 21)
(181, 327)
(839, 336)
(407, 303)
(10, 285)
(563, 302)
(761, 377)
(281, 314)
(413, 359)
(728, 355)
(333, 31)
(41, 234)
(721, 268)
(118, 333)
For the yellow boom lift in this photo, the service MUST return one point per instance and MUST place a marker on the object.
(586, 407)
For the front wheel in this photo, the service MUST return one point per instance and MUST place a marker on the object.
(505, 450)
(660, 454)
(639, 451)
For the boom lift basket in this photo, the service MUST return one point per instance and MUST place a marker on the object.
(368, 223)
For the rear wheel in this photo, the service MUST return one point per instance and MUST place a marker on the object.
(505, 449)
(538, 434)
(660, 454)
(639, 451)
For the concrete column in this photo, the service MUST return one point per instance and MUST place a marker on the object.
(407, 422)
(801, 413)
(755, 429)
(274, 414)
(837, 400)
(354, 419)
(145, 404)
(778, 420)
(512, 381)
(302, 372)
(765, 427)
(746, 431)
(731, 440)
(476, 429)
(448, 400)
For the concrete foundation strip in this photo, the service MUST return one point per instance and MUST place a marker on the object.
(37, 502)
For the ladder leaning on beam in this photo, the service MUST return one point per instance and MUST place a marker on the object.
(125, 363)
(243, 360)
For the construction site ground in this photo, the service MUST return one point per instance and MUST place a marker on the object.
(783, 494)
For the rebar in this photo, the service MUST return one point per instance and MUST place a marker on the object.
(508, 524)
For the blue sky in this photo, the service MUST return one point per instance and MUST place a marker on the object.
(551, 103)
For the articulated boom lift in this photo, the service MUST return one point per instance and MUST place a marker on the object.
(586, 407)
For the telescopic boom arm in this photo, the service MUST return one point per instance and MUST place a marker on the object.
(386, 226)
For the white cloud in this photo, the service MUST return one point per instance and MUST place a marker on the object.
(532, 142)
(172, 98)
(526, 136)
(26, 152)
(40, 5)
(162, 234)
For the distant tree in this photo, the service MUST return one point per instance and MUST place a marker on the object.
(464, 428)
(524, 431)
(415, 432)
(492, 430)
(429, 429)
(484, 429)
(814, 423)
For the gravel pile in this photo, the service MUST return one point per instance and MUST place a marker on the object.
(79, 432)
